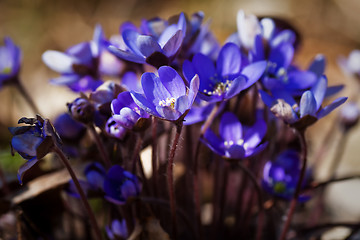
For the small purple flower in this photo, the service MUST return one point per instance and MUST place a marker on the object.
(166, 96)
(78, 65)
(93, 184)
(114, 129)
(228, 78)
(119, 185)
(95, 175)
(236, 141)
(127, 113)
(307, 111)
(151, 49)
(10, 61)
(33, 141)
(280, 177)
(117, 229)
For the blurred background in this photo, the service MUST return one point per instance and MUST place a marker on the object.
(330, 27)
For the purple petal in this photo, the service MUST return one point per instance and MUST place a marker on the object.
(235, 151)
(329, 108)
(282, 55)
(188, 70)
(128, 56)
(172, 46)
(286, 36)
(131, 81)
(333, 90)
(229, 60)
(23, 168)
(237, 85)
(168, 113)
(182, 104)
(213, 142)
(81, 51)
(230, 127)
(301, 79)
(147, 45)
(318, 65)
(204, 67)
(144, 104)
(267, 99)
(172, 81)
(319, 90)
(124, 99)
(98, 38)
(194, 88)
(65, 79)
(58, 61)
(285, 95)
(253, 151)
(253, 72)
(254, 135)
(307, 104)
(130, 39)
(154, 89)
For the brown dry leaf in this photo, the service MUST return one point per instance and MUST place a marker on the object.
(44, 183)
(149, 229)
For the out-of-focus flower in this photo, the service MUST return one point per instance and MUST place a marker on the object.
(156, 51)
(33, 141)
(280, 177)
(119, 185)
(114, 129)
(351, 64)
(248, 27)
(166, 96)
(10, 61)
(128, 114)
(82, 110)
(78, 65)
(349, 115)
(95, 175)
(228, 78)
(307, 111)
(236, 141)
(68, 128)
(117, 229)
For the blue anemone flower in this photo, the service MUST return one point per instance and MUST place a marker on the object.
(235, 140)
(166, 96)
(127, 113)
(280, 177)
(33, 141)
(307, 111)
(119, 185)
(228, 78)
(10, 61)
(79, 65)
(155, 50)
(117, 229)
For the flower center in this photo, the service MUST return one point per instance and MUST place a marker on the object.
(239, 142)
(6, 70)
(168, 102)
(219, 88)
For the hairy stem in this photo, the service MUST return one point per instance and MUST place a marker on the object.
(27, 97)
(83, 198)
(170, 178)
(100, 146)
(294, 200)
